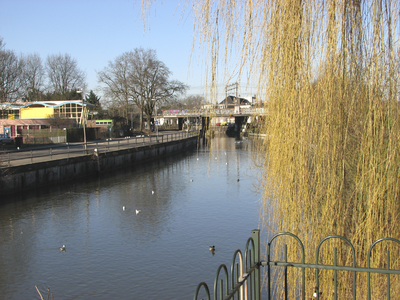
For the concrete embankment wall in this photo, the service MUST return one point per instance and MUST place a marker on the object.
(16, 179)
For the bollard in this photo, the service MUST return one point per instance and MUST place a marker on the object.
(96, 153)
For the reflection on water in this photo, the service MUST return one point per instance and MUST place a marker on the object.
(187, 202)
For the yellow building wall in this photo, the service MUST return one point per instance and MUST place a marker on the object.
(36, 112)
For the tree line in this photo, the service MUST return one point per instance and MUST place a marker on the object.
(135, 82)
(28, 77)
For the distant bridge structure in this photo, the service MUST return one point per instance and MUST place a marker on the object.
(204, 116)
(225, 112)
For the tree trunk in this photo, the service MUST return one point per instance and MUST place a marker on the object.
(141, 120)
(148, 118)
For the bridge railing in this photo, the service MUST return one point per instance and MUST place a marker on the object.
(217, 111)
(243, 281)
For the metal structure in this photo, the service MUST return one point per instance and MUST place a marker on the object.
(228, 88)
(243, 282)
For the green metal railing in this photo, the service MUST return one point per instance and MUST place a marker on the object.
(245, 283)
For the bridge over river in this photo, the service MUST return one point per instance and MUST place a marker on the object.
(205, 116)
(225, 112)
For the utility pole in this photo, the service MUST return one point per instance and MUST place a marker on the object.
(231, 87)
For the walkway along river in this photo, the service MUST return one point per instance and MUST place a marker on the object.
(188, 202)
(59, 165)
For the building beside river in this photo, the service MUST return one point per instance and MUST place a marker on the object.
(17, 117)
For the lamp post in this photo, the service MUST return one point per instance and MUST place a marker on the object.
(83, 119)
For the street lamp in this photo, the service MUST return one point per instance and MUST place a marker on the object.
(83, 118)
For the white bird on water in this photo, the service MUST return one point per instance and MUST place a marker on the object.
(138, 211)
(123, 207)
(62, 248)
(152, 192)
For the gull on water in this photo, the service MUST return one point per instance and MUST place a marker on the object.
(138, 211)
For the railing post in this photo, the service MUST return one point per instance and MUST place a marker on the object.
(51, 154)
(255, 235)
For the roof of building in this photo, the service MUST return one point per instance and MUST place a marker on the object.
(53, 103)
(232, 100)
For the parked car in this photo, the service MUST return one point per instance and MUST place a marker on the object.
(5, 140)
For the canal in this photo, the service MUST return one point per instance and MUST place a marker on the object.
(187, 202)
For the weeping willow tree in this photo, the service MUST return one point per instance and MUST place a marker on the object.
(328, 73)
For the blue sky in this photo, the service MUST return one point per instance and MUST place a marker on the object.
(96, 31)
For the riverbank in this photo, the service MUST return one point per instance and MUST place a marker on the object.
(16, 179)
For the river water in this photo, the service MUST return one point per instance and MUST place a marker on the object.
(188, 202)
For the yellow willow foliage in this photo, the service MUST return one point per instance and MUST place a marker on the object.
(328, 73)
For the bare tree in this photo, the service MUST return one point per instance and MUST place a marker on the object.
(115, 78)
(10, 74)
(152, 86)
(34, 76)
(193, 101)
(63, 74)
(139, 77)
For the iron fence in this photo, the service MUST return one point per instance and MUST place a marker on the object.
(243, 281)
